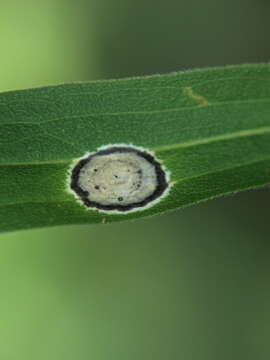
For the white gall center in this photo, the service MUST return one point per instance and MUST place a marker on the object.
(122, 178)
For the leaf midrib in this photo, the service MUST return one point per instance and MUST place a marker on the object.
(224, 137)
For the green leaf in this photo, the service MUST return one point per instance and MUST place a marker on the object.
(211, 129)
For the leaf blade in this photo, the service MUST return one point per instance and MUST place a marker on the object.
(200, 124)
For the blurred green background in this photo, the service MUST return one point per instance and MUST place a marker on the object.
(193, 284)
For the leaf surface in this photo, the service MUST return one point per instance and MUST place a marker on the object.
(210, 128)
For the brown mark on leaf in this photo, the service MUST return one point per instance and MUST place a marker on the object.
(199, 99)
